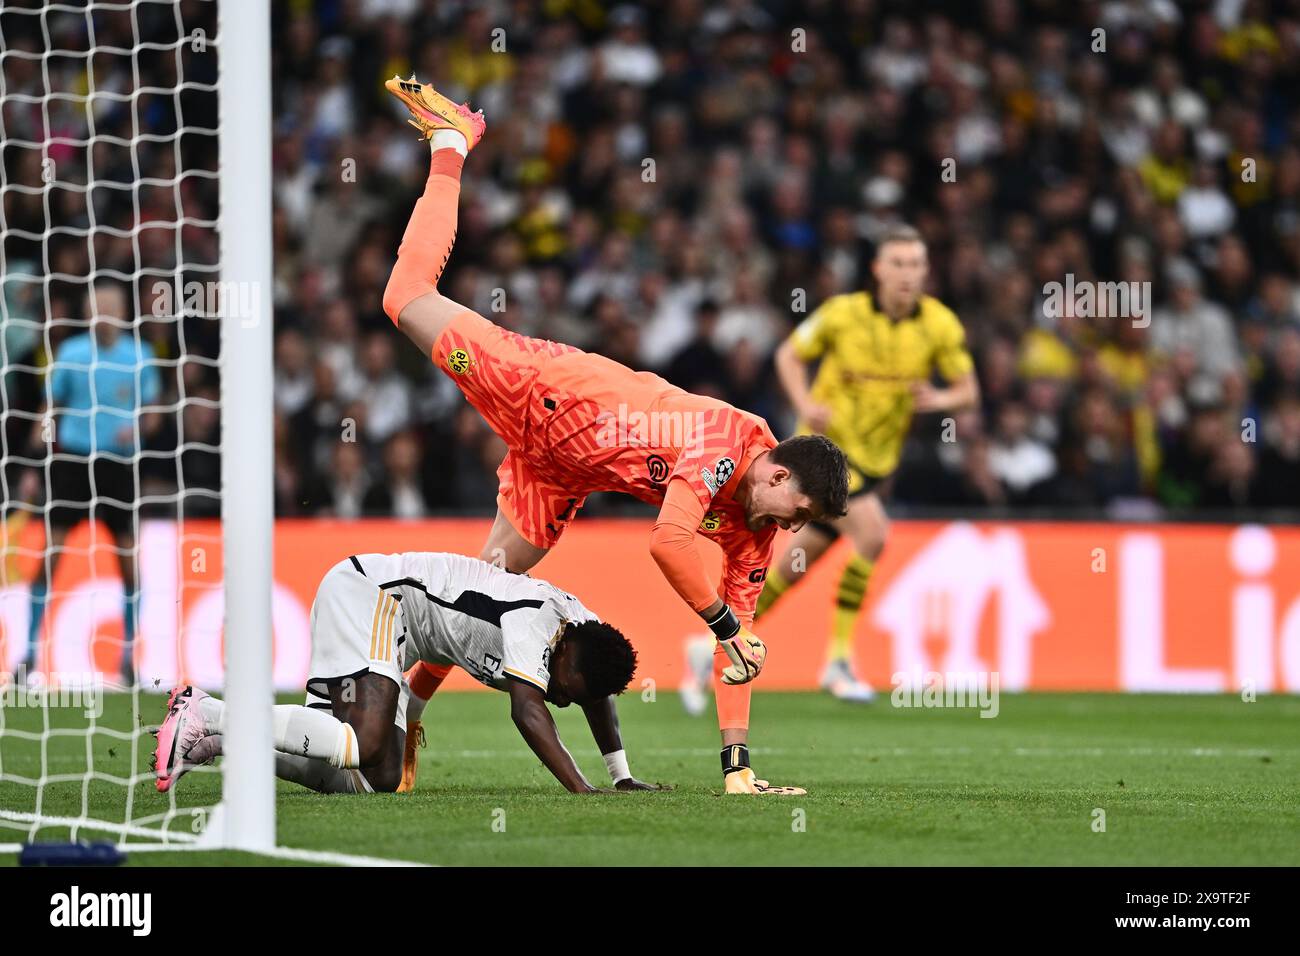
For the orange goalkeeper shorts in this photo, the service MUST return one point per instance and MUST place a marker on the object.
(496, 370)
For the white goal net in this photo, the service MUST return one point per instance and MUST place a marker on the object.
(115, 413)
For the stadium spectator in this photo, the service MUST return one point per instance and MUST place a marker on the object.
(1196, 336)
(1019, 461)
(399, 494)
(642, 160)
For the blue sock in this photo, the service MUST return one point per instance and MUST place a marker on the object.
(39, 591)
(130, 613)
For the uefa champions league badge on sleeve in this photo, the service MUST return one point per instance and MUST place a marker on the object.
(717, 477)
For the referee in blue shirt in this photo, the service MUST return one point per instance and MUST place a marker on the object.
(98, 382)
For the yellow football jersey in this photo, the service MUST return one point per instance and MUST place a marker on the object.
(868, 365)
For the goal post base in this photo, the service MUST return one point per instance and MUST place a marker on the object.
(71, 854)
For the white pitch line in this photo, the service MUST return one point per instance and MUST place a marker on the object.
(1251, 752)
(279, 852)
(83, 823)
(333, 859)
(185, 841)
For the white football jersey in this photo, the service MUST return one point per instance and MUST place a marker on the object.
(495, 624)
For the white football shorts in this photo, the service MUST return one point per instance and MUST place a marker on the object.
(356, 629)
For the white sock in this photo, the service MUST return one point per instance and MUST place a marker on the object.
(448, 139)
(213, 713)
(313, 733)
(414, 708)
(319, 776)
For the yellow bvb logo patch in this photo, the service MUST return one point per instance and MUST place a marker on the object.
(458, 361)
(712, 522)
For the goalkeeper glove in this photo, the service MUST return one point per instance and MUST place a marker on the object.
(746, 651)
(739, 778)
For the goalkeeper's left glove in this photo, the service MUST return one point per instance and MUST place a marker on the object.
(746, 651)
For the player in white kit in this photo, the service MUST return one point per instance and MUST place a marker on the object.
(376, 614)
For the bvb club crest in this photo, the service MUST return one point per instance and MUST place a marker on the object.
(458, 361)
(712, 522)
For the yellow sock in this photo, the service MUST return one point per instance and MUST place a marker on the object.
(848, 602)
(775, 586)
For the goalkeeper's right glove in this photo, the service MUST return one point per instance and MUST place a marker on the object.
(739, 778)
(746, 651)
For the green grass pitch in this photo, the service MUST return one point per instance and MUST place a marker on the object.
(1186, 780)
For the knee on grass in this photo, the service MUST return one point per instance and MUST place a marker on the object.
(384, 779)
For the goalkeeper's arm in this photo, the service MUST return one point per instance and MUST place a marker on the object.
(672, 545)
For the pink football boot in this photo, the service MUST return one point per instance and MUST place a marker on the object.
(181, 730)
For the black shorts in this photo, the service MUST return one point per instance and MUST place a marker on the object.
(870, 485)
(71, 492)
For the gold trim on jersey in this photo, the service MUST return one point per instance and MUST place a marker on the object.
(381, 629)
(524, 677)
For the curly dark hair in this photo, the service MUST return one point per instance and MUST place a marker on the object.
(606, 659)
(821, 470)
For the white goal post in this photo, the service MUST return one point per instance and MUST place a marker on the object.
(247, 815)
(68, 775)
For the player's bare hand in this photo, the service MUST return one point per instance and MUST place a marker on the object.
(631, 783)
(816, 416)
(927, 398)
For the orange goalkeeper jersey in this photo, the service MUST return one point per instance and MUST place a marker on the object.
(576, 423)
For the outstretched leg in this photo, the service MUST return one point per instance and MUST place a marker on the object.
(355, 749)
(411, 297)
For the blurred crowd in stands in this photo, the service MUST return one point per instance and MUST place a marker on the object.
(676, 184)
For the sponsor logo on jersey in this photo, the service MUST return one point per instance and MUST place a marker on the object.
(458, 361)
(758, 576)
(658, 468)
(712, 522)
(488, 671)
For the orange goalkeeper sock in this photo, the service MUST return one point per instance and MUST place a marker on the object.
(425, 679)
(430, 234)
(732, 699)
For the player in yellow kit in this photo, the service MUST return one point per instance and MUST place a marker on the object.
(878, 354)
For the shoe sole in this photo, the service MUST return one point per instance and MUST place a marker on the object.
(408, 92)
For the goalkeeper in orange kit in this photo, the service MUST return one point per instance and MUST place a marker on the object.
(576, 423)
